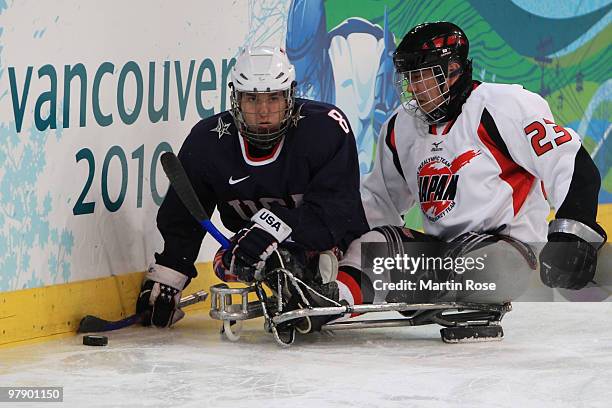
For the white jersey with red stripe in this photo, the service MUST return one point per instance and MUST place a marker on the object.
(486, 169)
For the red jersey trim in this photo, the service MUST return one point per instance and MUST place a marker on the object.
(518, 178)
(352, 285)
(259, 161)
(433, 129)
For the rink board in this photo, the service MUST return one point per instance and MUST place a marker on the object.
(39, 314)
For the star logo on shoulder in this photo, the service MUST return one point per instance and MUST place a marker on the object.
(221, 128)
(297, 116)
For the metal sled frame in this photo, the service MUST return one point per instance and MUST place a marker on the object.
(449, 315)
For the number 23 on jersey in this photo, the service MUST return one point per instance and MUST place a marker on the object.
(537, 132)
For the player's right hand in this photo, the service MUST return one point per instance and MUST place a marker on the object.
(160, 295)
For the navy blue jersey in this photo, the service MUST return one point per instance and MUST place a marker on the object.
(310, 180)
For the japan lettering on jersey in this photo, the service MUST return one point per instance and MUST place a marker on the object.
(438, 179)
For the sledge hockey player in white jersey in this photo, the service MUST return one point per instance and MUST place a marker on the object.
(481, 159)
(283, 174)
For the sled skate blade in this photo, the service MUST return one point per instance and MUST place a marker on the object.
(285, 336)
(471, 334)
(231, 329)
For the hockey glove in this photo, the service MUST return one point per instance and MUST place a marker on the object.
(222, 266)
(160, 295)
(569, 258)
(253, 245)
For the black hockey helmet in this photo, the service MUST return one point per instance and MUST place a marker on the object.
(433, 47)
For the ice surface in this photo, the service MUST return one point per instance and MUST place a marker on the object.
(553, 355)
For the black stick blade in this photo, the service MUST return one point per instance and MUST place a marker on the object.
(181, 184)
(91, 324)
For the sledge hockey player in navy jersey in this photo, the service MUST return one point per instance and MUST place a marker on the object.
(480, 159)
(282, 172)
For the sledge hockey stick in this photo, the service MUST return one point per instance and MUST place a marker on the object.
(181, 184)
(93, 324)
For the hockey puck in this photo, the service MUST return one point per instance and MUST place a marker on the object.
(94, 340)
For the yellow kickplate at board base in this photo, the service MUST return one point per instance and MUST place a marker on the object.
(37, 313)
(32, 315)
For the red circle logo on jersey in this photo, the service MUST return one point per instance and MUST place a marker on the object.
(438, 181)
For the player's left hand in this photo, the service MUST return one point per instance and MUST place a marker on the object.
(252, 249)
(568, 261)
(253, 245)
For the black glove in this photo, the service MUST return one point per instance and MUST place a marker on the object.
(160, 295)
(253, 245)
(227, 272)
(568, 261)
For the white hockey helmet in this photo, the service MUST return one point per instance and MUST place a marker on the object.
(262, 73)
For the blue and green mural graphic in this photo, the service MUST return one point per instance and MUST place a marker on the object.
(342, 52)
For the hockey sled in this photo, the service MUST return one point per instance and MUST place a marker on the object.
(462, 322)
